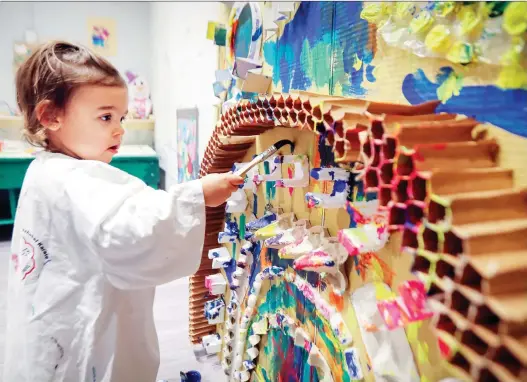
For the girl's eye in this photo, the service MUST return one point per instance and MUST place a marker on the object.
(106, 118)
(122, 119)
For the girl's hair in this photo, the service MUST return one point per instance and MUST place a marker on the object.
(52, 73)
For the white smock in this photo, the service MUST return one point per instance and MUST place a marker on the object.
(90, 243)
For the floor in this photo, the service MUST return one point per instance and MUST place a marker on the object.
(171, 316)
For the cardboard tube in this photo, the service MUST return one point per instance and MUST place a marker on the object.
(310, 123)
(280, 102)
(429, 240)
(496, 274)
(488, 237)
(389, 148)
(289, 102)
(415, 212)
(477, 207)
(444, 269)
(421, 264)
(436, 212)
(419, 188)
(273, 102)
(400, 192)
(451, 156)
(470, 180)
(512, 355)
(385, 194)
(458, 302)
(386, 173)
(409, 240)
(411, 134)
(396, 215)
(371, 178)
(398, 109)
(405, 164)
(306, 105)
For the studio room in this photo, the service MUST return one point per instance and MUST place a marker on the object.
(263, 191)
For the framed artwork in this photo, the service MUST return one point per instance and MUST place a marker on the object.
(187, 144)
(102, 35)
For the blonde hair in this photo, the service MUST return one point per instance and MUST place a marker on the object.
(52, 73)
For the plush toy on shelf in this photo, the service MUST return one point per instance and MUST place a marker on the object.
(140, 104)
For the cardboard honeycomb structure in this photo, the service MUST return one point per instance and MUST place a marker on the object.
(438, 177)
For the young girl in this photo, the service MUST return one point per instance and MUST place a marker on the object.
(90, 242)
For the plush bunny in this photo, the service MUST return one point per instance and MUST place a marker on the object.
(140, 105)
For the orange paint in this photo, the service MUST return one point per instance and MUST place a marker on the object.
(264, 263)
(337, 301)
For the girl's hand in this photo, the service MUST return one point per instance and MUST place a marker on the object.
(217, 188)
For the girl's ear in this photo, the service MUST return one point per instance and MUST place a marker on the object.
(47, 115)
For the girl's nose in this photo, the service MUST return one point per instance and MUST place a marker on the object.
(119, 130)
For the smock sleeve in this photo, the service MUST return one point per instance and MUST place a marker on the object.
(144, 237)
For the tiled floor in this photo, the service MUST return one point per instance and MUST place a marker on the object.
(171, 315)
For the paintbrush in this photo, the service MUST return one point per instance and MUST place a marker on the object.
(263, 156)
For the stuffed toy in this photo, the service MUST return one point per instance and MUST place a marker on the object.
(140, 105)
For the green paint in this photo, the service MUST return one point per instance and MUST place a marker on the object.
(220, 36)
(315, 63)
(284, 295)
(242, 227)
(340, 77)
(270, 189)
(233, 250)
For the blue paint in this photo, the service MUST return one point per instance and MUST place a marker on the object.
(506, 108)
(255, 267)
(243, 33)
(339, 186)
(229, 269)
(369, 74)
(356, 261)
(351, 41)
(269, 49)
(257, 34)
(327, 156)
(315, 173)
(352, 360)
(312, 21)
(255, 204)
(312, 278)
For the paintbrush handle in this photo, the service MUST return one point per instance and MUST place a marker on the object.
(256, 160)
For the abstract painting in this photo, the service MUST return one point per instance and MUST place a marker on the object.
(187, 144)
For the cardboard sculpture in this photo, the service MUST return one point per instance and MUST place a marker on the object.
(467, 244)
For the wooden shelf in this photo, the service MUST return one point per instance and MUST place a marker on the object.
(11, 121)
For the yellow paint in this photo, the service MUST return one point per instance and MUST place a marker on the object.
(357, 62)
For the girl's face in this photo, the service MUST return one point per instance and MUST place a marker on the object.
(90, 125)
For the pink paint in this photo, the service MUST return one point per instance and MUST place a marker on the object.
(409, 307)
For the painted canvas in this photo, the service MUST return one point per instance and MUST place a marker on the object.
(102, 35)
(187, 144)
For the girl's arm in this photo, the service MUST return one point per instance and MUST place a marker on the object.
(143, 237)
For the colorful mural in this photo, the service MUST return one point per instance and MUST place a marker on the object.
(330, 47)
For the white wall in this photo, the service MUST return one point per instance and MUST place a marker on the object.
(68, 20)
(184, 63)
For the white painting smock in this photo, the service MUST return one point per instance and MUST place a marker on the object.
(90, 243)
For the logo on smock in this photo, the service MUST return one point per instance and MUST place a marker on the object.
(26, 260)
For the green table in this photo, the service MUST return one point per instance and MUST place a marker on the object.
(139, 161)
